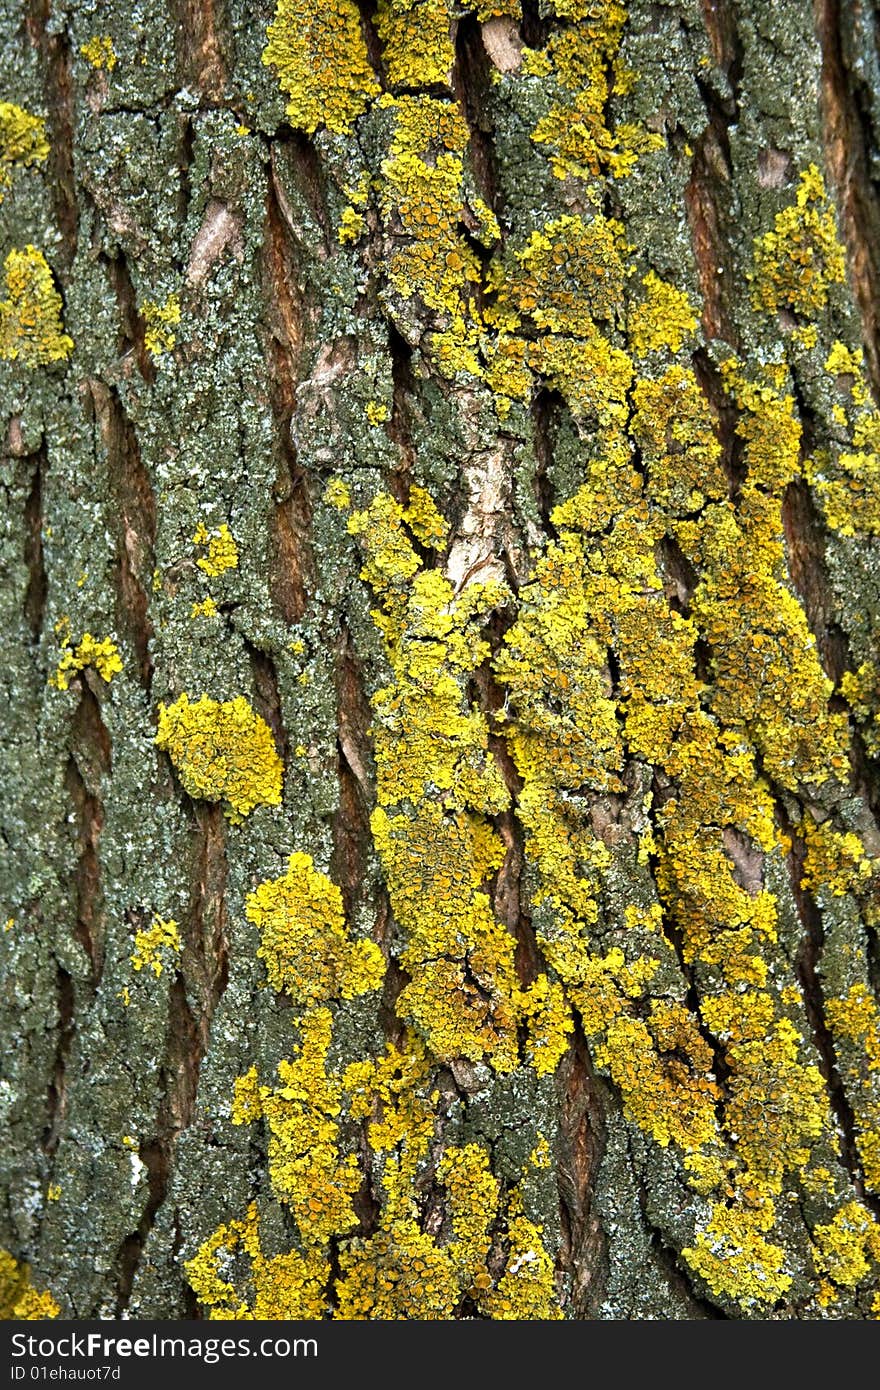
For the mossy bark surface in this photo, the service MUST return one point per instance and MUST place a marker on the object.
(441, 602)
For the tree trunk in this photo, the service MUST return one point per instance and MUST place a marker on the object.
(441, 488)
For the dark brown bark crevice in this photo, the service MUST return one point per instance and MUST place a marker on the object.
(267, 696)
(202, 46)
(87, 767)
(134, 520)
(55, 52)
(56, 1098)
(132, 347)
(205, 954)
(847, 143)
(471, 83)
(580, 1149)
(805, 552)
(178, 1083)
(291, 563)
(37, 584)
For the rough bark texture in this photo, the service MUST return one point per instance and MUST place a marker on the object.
(467, 400)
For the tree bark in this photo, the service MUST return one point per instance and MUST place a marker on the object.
(440, 445)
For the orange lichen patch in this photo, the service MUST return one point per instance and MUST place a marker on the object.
(305, 944)
(222, 751)
(797, 262)
(319, 54)
(280, 1287)
(31, 330)
(19, 1300)
(22, 142)
(418, 49)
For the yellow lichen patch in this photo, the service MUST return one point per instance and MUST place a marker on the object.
(160, 320)
(848, 1248)
(156, 946)
(768, 679)
(526, 1290)
(422, 201)
(415, 34)
(733, 1257)
(663, 319)
(305, 944)
(846, 478)
(861, 690)
(101, 654)
(582, 60)
(99, 52)
(22, 142)
(436, 782)
(307, 1171)
(222, 752)
(675, 430)
(31, 330)
(19, 1300)
(854, 1021)
(207, 608)
(662, 1067)
(277, 1288)
(833, 860)
(550, 1024)
(797, 262)
(319, 54)
(221, 552)
(398, 1273)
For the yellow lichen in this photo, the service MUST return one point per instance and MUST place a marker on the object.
(320, 57)
(418, 48)
(160, 320)
(833, 860)
(797, 262)
(304, 941)
(223, 751)
(279, 1287)
(19, 1300)
(101, 654)
(99, 52)
(156, 946)
(22, 142)
(664, 318)
(220, 547)
(735, 1260)
(31, 330)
